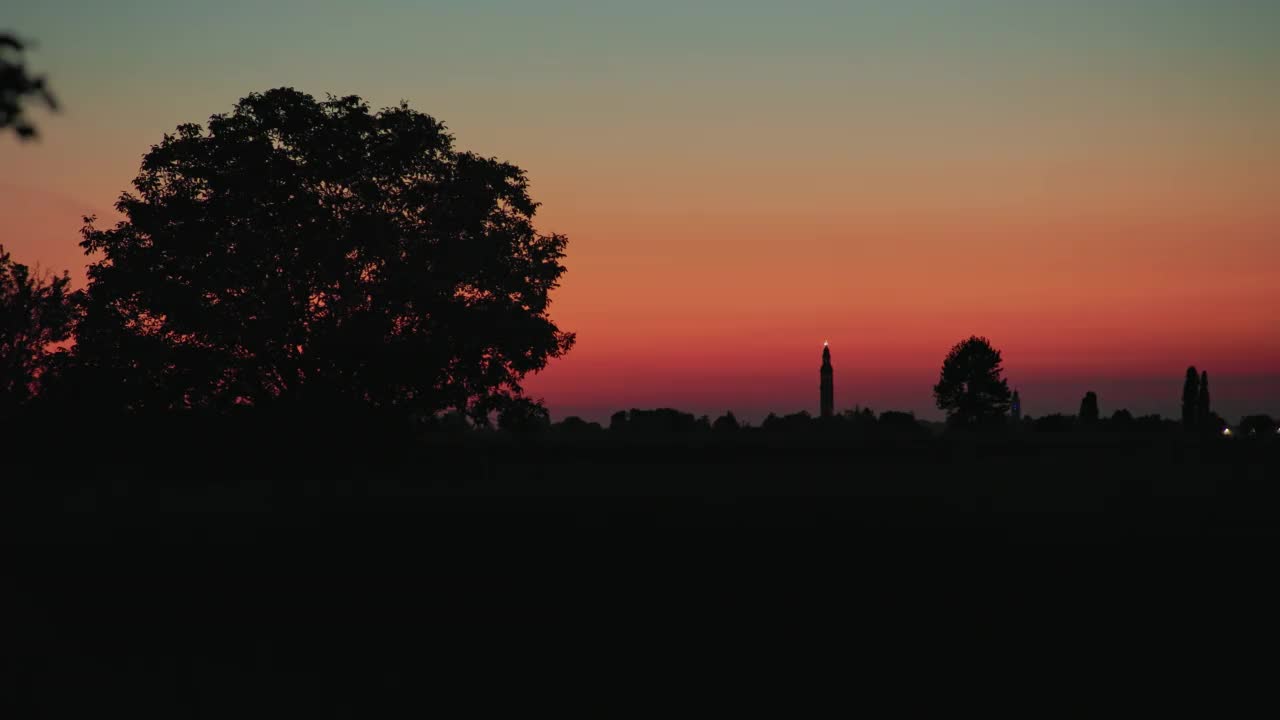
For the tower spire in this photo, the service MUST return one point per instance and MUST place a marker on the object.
(826, 387)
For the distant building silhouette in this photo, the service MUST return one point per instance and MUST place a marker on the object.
(826, 386)
(1015, 407)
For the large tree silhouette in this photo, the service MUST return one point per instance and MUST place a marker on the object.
(316, 252)
(17, 86)
(971, 388)
(35, 313)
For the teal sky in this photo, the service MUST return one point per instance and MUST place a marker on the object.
(518, 77)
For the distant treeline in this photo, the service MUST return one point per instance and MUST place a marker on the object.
(670, 421)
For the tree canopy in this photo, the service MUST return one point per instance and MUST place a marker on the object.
(316, 252)
(35, 313)
(971, 387)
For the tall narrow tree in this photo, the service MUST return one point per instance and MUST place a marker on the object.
(1190, 398)
(1204, 413)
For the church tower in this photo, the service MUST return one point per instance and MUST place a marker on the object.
(826, 387)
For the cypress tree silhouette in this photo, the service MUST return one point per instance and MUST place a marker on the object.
(1204, 414)
(1089, 408)
(1190, 398)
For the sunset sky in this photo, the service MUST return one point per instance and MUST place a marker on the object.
(1094, 185)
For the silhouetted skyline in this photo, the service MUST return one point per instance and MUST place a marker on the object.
(1235, 397)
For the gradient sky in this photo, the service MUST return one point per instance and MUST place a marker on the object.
(1095, 185)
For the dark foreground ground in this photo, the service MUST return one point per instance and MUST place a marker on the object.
(474, 578)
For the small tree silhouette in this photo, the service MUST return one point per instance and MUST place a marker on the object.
(1191, 398)
(1089, 408)
(35, 313)
(320, 255)
(971, 387)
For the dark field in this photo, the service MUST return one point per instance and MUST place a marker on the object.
(656, 575)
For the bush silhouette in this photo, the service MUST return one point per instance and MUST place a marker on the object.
(795, 422)
(576, 425)
(1121, 419)
(1089, 408)
(859, 418)
(725, 423)
(1056, 422)
(661, 421)
(1154, 423)
(971, 387)
(317, 254)
(893, 422)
